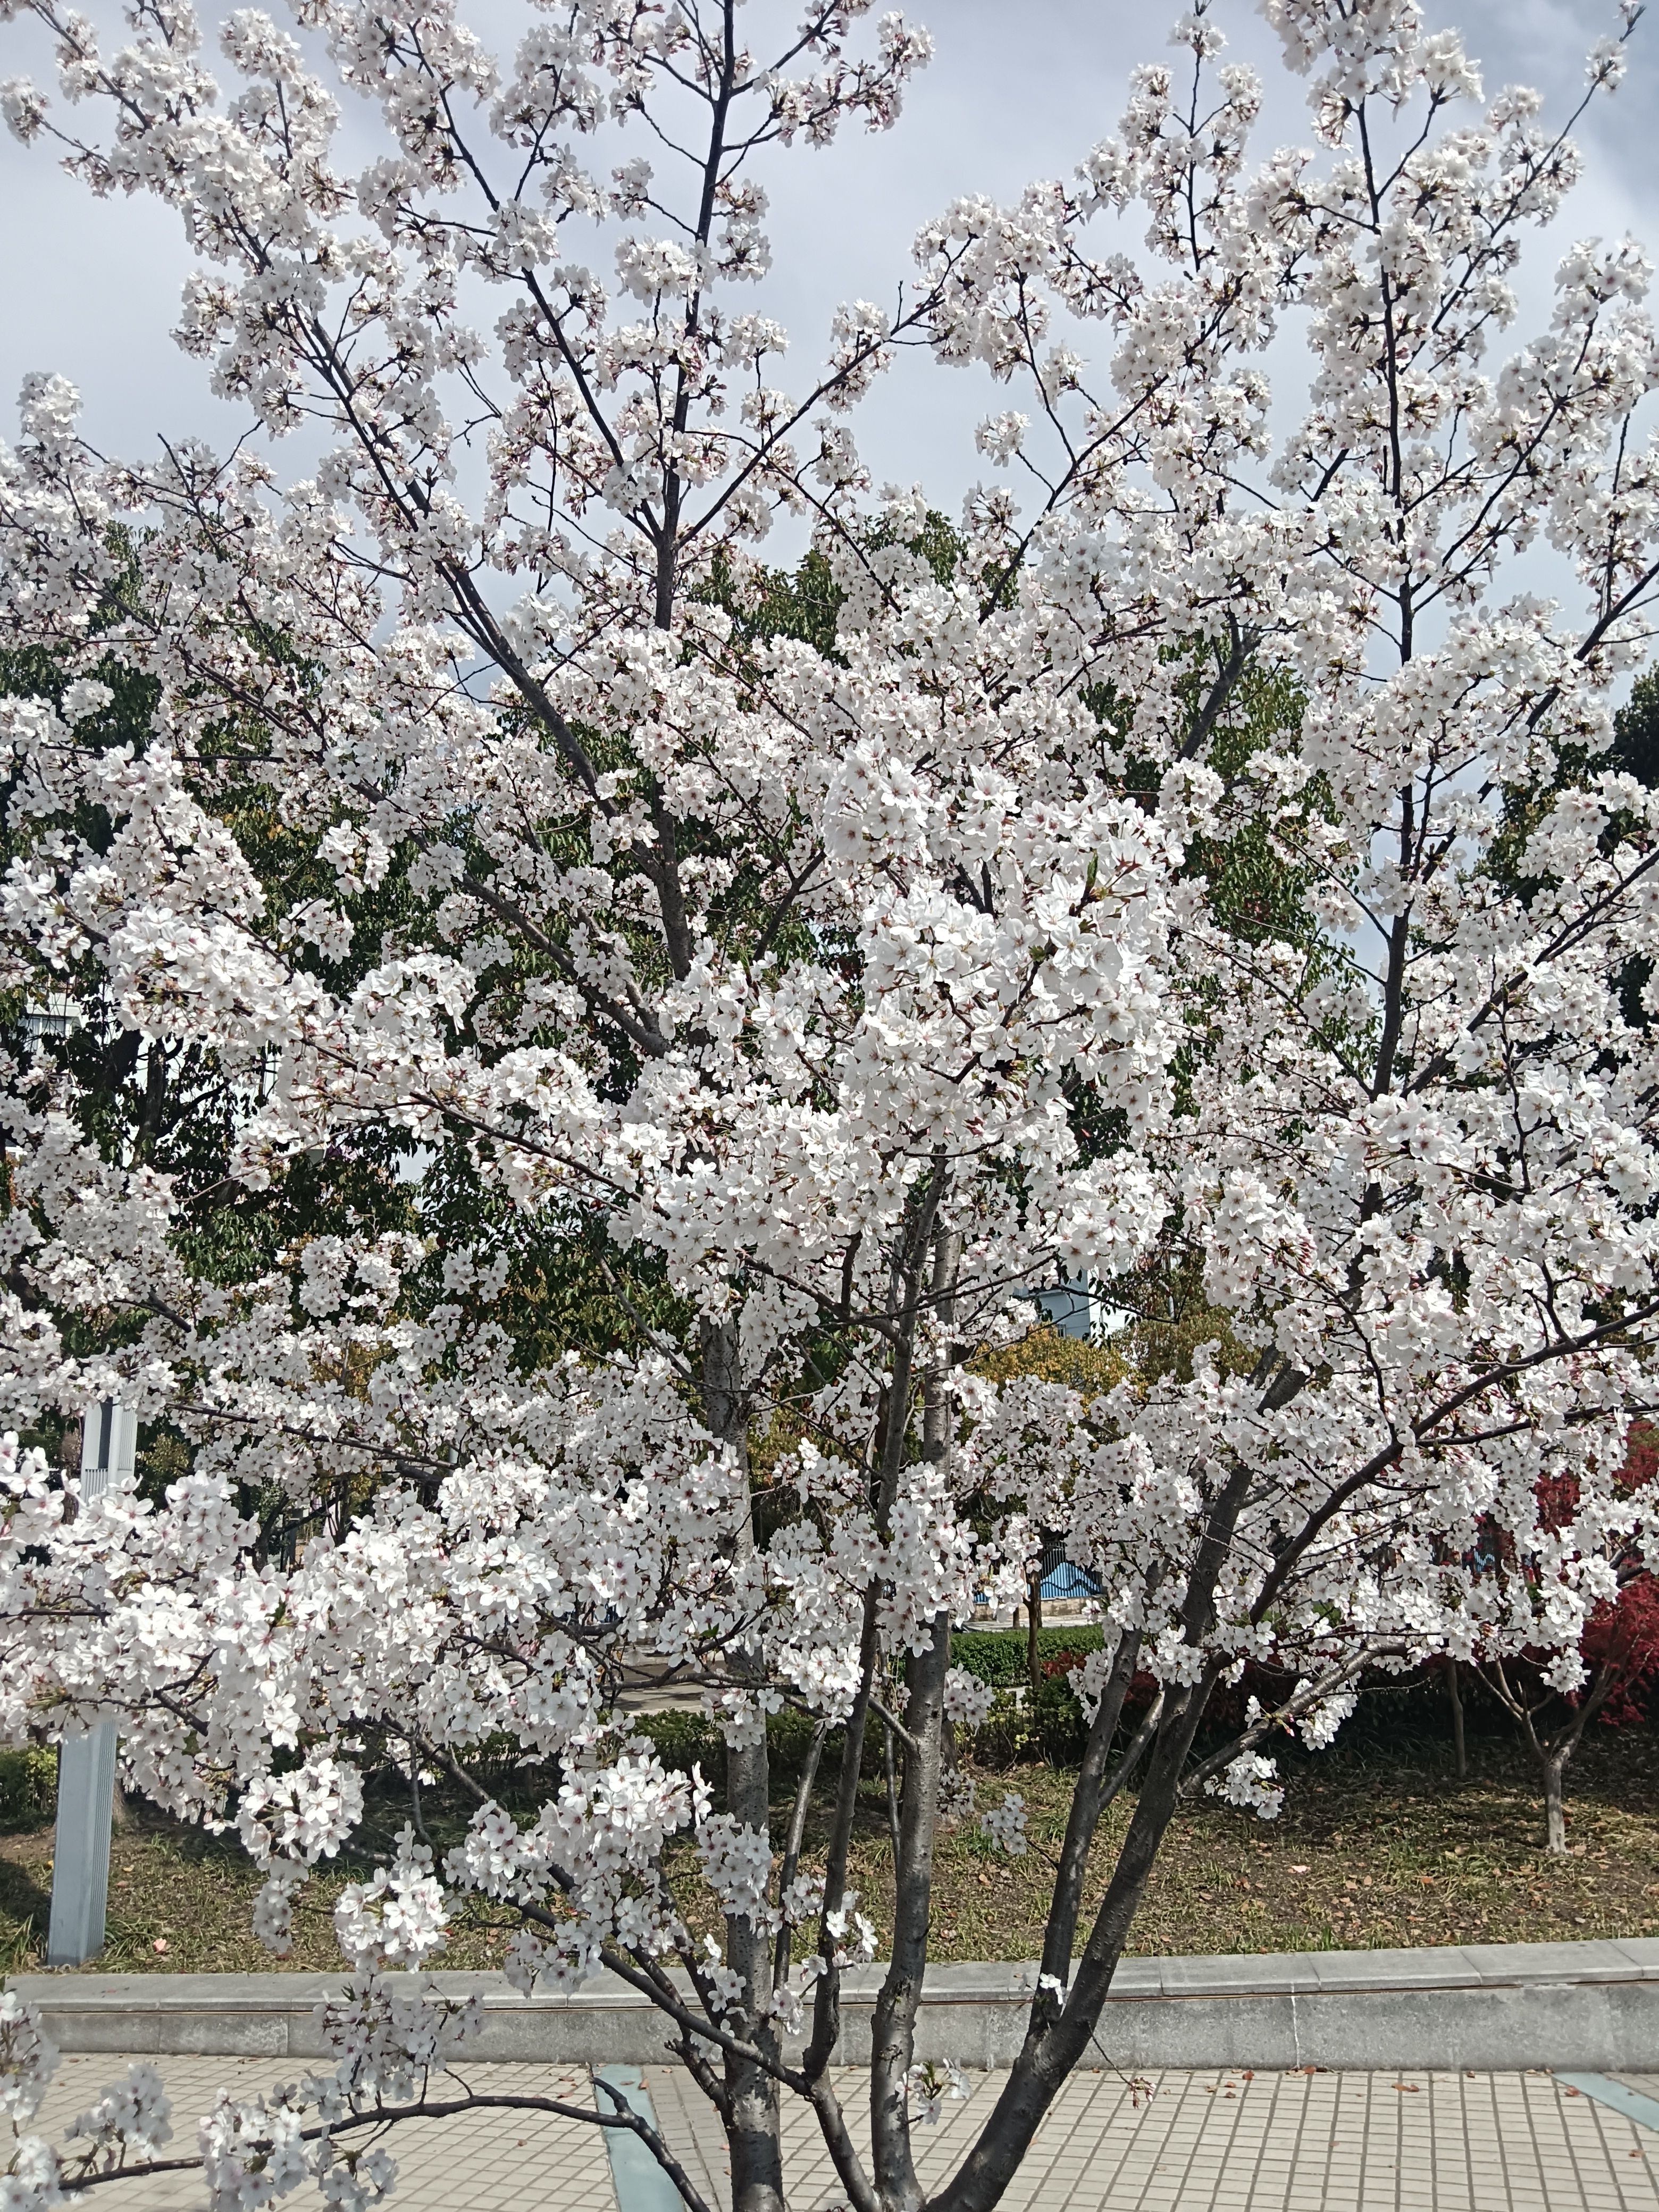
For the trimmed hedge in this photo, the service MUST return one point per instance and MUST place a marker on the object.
(683, 1739)
(1001, 1656)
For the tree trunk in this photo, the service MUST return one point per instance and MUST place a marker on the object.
(890, 1433)
(1555, 1811)
(1034, 1625)
(892, 2032)
(1454, 1692)
(753, 2132)
(1060, 2039)
(1057, 2037)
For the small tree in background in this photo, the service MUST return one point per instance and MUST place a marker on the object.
(1551, 1702)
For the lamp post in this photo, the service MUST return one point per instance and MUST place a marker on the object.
(85, 1763)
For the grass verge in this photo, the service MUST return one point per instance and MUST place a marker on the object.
(1372, 1848)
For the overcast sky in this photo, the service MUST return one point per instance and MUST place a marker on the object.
(1018, 90)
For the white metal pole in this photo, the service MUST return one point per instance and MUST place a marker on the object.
(85, 1763)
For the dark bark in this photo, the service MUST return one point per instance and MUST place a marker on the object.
(1242, 645)
(1058, 2036)
(753, 2112)
(156, 1099)
(1454, 1696)
(1057, 2043)
(792, 1846)
(1087, 1801)
(893, 2030)
(382, 2116)
(891, 1777)
(905, 1300)
(826, 2009)
(752, 2127)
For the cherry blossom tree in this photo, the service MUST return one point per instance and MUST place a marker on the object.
(824, 964)
(1618, 1646)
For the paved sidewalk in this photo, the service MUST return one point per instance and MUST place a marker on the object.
(1265, 2142)
(485, 2162)
(1235, 2143)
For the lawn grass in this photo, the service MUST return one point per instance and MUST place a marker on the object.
(1374, 1848)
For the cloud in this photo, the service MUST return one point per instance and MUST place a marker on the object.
(92, 286)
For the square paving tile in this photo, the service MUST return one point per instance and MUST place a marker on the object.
(1278, 2142)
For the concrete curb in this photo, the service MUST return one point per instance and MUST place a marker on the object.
(1494, 2006)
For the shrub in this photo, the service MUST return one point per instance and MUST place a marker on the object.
(684, 1740)
(28, 1788)
(999, 1656)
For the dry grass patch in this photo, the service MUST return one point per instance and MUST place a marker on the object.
(1370, 1851)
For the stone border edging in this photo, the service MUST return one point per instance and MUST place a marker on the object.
(1493, 2007)
(1616, 2095)
(640, 2182)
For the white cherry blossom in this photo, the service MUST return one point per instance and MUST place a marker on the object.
(1198, 877)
